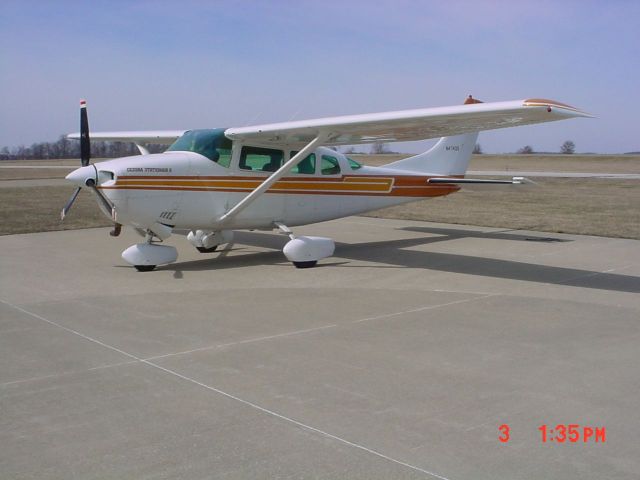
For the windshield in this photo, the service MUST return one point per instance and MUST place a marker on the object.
(211, 143)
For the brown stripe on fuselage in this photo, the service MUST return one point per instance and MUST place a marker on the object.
(397, 186)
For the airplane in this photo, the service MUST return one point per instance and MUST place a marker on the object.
(210, 182)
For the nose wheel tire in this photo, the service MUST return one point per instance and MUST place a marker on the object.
(207, 250)
(305, 264)
(144, 268)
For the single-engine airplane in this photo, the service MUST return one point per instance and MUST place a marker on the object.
(276, 176)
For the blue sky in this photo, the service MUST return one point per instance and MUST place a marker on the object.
(198, 64)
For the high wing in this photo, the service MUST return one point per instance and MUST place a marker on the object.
(164, 137)
(407, 125)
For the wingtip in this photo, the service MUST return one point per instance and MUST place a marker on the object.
(555, 105)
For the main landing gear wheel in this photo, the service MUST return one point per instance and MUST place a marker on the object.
(145, 256)
(309, 264)
(144, 268)
(207, 250)
(304, 252)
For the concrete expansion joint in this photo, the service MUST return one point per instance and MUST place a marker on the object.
(230, 396)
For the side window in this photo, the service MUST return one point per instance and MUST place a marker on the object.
(329, 165)
(353, 164)
(261, 159)
(306, 166)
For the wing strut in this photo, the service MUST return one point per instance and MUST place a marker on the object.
(273, 178)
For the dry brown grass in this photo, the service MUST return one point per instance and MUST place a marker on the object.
(37, 209)
(32, 174)
(583, 206)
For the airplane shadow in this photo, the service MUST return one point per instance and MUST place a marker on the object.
(452, 233)
(395, 254)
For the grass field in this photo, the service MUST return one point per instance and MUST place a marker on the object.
(584, 206)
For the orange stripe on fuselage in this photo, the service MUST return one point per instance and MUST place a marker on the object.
(402, 186)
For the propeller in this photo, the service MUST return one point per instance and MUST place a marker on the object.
(87, 174)
(85, 141)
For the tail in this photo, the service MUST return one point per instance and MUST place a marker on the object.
(450, 156)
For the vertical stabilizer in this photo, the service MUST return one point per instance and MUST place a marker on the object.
(450, 156)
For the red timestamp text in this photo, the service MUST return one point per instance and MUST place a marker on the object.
(572, 433)
(561, 433)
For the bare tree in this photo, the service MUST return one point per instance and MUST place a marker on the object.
(379, 147)
(568, 147)
(526, 149)
(477, 149)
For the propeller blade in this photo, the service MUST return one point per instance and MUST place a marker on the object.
(67, 207)
(85, 142)
(108, 206)
(85, 157)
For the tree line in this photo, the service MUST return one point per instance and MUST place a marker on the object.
(567, 148)
(65, 148)
(378, 148)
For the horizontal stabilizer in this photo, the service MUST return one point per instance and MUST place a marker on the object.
(479, 181)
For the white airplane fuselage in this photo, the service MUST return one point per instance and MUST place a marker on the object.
(187, 191)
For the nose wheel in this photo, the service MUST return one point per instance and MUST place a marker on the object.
(207, 250)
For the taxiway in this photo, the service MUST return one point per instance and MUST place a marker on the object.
(399, 357)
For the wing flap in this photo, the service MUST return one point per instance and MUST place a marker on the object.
(408, 125)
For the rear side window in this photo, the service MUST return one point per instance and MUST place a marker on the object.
(306, 166)
(329, 165)
(353, 164)
(261, 159)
